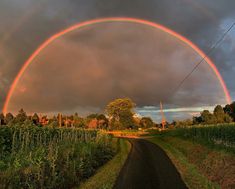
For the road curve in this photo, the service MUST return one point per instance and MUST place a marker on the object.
(148, 167)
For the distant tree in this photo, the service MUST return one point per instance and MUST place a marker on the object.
(92, 116)
(21, 117)
(35, 119)
(103, 122)
(183, 123)
(98, 121)
(230, 110)
(53, 122)
(207, 117)
(27, 122)
(228, 118)
(9, 118)
(2, 119)
(79, 122)
(219, 114)
(121, 113)
(197, 120)
(146, 122)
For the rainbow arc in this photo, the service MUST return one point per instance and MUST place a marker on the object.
(115, 19)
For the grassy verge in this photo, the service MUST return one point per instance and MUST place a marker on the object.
(106, 175)
(190, 173)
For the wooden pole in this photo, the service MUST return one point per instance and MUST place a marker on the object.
(163, 116)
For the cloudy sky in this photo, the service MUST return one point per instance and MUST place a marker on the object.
(84, 70)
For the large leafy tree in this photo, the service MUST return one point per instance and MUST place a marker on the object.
(121, 113)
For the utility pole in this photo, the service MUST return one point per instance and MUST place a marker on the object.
(163, 117)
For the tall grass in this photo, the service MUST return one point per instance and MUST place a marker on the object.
(33, 157)
(223, 135)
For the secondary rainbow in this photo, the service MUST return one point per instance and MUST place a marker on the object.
(114, 19)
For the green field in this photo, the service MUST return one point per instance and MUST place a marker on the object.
(34, 157)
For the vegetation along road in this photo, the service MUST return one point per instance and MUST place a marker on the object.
(148, 167)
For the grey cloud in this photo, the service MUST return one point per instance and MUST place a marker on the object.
(88, 68)
(28, 23)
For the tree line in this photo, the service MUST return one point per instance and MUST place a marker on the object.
(119, 115)
(219, 115)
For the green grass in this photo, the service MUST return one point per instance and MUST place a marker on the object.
(193, 178)
(107, 175)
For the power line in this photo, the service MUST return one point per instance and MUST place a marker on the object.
(206, 55)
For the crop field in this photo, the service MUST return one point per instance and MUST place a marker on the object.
(222, 135)
(36, 157)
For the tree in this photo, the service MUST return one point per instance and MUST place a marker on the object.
(97, 121)
(2, 119)
(183, 123)
(35, 119)
(207, 117)
(103, 122)
(53, 122)
(78, 121)
(197, 120)
(228, 118)
(126, 120)
(21, 116)
(230, 110)
(146, 122)
(121, 113)
(219, 114)
(9, 118)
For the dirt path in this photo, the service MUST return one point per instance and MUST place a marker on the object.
(148, 167)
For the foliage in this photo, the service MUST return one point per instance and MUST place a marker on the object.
(44, 157)
(215, 135)
(21, 116)
(101, 120)
(2, 119)
(219, 115)
(146, 122)
(230, 110)
(183, 123)
(121, 113)
(9, 117)
(35, 119)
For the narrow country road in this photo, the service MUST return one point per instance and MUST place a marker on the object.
(148, 167)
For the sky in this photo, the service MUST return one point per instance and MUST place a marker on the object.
(84, 70)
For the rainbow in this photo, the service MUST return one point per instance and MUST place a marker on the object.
(114, 19)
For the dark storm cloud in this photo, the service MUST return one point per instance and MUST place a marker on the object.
(86, 69)
(27, 23)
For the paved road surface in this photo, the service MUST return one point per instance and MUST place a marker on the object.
(148, 167)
